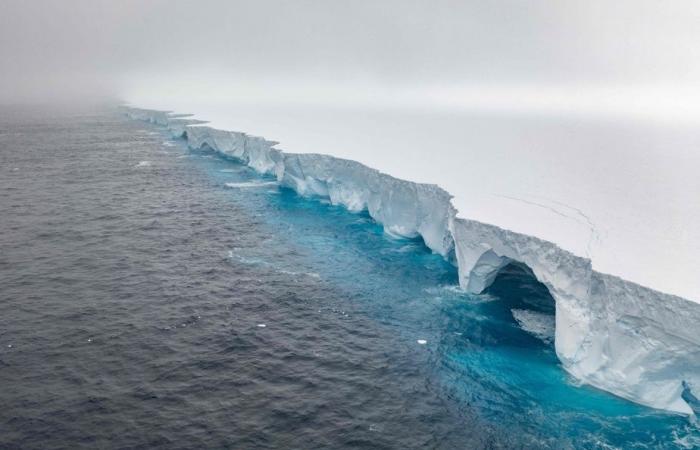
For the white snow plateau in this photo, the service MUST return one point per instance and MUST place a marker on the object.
(617, 335)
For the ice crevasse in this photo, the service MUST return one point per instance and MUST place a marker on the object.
(635, 342)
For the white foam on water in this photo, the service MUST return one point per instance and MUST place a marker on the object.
(605, 325)
(685, 438)
(247, 260)
(143, 164)
(308, 274)
(250, 184)
(404, 248)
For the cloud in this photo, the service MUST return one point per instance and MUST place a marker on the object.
(80, 48)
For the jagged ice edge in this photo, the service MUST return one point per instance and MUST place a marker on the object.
(632, 341)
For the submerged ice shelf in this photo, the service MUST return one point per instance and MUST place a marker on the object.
(616, 335)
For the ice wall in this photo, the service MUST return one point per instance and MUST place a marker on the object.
(635, 342)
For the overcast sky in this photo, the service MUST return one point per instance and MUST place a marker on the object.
(80, 48)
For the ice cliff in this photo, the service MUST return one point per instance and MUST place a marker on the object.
(613, 334)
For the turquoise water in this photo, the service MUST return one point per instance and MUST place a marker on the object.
(480, 357)
(157, 297)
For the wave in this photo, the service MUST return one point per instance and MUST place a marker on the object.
(250, 184)
(635, 342)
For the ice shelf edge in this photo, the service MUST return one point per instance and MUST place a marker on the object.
(633, 341)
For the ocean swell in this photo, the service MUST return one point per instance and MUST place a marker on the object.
(613, 334)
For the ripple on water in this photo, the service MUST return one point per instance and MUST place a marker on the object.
(122, 325)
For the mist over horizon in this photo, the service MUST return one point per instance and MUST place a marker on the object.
(395, 224)
(552, 56)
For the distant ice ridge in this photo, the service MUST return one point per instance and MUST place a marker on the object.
(618, 336)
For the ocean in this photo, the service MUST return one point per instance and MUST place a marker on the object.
(157, 297)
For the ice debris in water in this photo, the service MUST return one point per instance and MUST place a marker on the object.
(422, 341)
(261, 325)
(540, 325)
(605, 325)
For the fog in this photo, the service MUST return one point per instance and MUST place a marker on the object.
(493, 92)
(624, 56)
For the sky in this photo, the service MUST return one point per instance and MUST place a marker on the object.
(624, 56)
(493, 91)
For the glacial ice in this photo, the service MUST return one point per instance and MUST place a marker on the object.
(540, 325)
(635, 342)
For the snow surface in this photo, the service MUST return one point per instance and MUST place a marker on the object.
(550, 194)
(624, 194)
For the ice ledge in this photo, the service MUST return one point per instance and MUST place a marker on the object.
(613, 334)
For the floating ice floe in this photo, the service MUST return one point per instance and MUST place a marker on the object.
(540, 325)
(636, 342)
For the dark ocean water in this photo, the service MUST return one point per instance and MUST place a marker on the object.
(154, 297)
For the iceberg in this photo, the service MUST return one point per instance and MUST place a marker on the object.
(635, 342)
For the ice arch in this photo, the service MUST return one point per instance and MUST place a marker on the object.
(485, 270)
(621, 337)
(490, 268)
(482, 250)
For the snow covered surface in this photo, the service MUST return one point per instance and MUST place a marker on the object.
(552, 194)
(624, 194)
